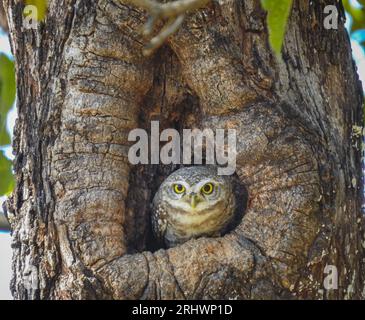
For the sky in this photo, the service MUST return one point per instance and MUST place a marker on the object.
(5, 266)
(5, 239)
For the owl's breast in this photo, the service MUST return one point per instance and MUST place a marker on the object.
(183, 225)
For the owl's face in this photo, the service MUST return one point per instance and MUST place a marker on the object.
(192, 202)
(195, 190)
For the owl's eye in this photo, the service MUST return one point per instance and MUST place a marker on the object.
(207, 188)
(178, 188)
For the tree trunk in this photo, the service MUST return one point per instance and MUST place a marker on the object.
(80, 211)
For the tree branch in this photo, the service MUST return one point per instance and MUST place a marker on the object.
(173, 11)
(3, 20)
(4, 225)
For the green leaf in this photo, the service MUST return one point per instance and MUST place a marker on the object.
(277, 16)
(357, 14)
(4, 137)
(358, 18)
(7, 94)
(41, 7)
(6, 176)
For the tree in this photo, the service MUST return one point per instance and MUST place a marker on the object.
(80, 211)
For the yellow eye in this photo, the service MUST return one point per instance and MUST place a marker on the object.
(207, 188)
(179, 188)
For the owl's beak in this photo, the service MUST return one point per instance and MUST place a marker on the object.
(194, 200)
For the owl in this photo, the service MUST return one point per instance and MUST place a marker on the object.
(192, 202)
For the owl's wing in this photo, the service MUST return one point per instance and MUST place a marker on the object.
(159, 221)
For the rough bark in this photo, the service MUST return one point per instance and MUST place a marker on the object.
(80, 211)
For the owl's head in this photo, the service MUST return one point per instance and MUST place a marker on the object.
(196, 189)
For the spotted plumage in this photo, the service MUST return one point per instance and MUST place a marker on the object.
(192, 202)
